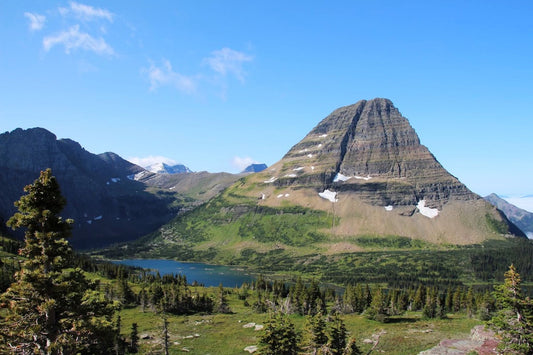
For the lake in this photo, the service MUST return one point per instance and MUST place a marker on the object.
(208, 275)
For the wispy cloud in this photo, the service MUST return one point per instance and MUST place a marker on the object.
(74, 39)
(165, 75)
(223, 62)
(36, 21)
(242, 163)
(228, 61)
(86, 12)
(152, 159)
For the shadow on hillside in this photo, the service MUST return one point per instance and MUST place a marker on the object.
(402, 320)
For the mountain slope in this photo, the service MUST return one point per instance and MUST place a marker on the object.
(107, 206)
(521, 218)
(360, 173)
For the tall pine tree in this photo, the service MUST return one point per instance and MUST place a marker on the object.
(514, 318)
(51, 308)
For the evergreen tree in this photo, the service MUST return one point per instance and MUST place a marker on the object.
(279, 337)
(337, 336)
(352, 348)
(316, 329)
(420, 298)
(430, 307)
(52, 308)
(134, 339)
(470, 301)
(221, 302)
(378, 308)
(514, 318)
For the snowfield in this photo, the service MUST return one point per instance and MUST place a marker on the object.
(271, 180)
(329, 195)
(427, 211)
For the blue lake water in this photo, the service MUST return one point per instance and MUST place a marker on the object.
(208, 275)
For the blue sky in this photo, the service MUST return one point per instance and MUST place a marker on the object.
(218, 84)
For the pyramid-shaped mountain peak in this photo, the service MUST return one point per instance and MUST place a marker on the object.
(361, 172)
(369, 149)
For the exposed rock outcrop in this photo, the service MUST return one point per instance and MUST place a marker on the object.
(369, 149)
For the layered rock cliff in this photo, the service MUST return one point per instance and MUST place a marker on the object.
(370, 149)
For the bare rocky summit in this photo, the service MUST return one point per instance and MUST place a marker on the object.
(370, 149)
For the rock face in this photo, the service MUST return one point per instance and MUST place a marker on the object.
(370, 149)
(107, 206)
(521, 218)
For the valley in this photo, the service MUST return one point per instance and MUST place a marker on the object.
(358, 226)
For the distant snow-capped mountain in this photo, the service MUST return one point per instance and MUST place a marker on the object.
(163, 168)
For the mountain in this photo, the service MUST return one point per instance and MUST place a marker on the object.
(106, 205)
(163, 168)
(360, 173)
(521, 218)
(254, 168)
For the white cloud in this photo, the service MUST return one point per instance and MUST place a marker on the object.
(74, 39)
(165, 75)
(242, 163)
(152, 159)
(228, 61)
(86, 12)
(36, 21)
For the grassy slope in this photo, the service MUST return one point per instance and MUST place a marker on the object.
(224, 333)
(236, 228)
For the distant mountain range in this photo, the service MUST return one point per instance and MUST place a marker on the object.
(360, 172)
(110, 199)
(521, 218)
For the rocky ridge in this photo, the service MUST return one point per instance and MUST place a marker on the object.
(106, 206)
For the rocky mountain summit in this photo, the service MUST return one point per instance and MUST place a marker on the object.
(370, 150)
(163, 168)
(521, 218)
(365, 164)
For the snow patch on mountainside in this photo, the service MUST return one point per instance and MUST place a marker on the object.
(329, 195)
(427, 211)
(271, 180)
(139, 175)
(340, 177)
